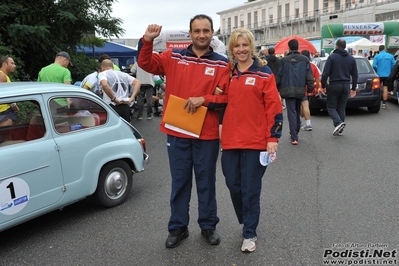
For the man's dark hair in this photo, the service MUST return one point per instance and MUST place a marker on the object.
(102, 57)
(201, 16)
(4, 59)
(271, 51)
(293, 45)
(341, 44)
(381, 48)
(306, 53)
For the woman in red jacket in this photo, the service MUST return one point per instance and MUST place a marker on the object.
(252, 124)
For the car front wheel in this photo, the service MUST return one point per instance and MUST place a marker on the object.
(114, 184)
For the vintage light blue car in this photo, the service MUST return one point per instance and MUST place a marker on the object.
(59, 145)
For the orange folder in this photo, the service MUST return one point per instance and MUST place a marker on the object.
(178, 119)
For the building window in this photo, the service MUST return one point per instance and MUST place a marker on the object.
(287, 12)
(337, 5)
(270, 14)
(325, 6)
(263, 17)
(235, 21)
(249, 20)
(305, 6)
(255, 19)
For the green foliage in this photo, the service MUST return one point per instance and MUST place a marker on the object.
(33, 32)
(27, 110)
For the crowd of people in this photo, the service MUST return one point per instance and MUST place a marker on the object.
(244, 95)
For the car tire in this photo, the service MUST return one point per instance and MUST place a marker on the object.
(114, 184)
(374, 109)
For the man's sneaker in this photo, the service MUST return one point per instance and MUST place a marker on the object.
(307, 128)
(341, 132)
(338, 129)
(140, 118)
(248, 245)
(175, 237)
(149, 117)
(384, 106)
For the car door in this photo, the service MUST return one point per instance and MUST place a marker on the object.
(79, 132)
(30, 176)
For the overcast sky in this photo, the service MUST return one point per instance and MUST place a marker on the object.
(171, 14)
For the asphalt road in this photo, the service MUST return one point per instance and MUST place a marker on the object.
(335, 196)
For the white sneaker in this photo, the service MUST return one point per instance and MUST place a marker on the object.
(338, 129)
(248, 245)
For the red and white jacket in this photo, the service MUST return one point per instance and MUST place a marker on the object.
(253, 116)
(190, 76)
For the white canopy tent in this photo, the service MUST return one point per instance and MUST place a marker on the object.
(363, 44)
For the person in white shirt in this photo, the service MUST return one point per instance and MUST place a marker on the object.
(146, 90)
(115, 86)
(90, 82)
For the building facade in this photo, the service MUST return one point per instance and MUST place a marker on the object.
(273, 20)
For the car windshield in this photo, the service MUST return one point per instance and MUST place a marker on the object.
(363, 66)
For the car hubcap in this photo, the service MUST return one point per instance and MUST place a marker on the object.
(115, 184)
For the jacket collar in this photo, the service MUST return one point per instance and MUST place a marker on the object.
(191, 52)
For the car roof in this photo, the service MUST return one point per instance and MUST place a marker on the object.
(29, 88)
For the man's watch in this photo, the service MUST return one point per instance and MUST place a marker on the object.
(113, 99)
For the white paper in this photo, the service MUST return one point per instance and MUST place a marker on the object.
(265, 158)
(177, 129)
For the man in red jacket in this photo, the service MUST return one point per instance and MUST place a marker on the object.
(193, 74)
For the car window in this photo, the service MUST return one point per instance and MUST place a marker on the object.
(80, 113)
(363, 66)
(21, 121)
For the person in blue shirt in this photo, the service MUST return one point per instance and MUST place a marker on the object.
(383, 64)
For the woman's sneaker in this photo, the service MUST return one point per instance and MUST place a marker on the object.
(248, 245)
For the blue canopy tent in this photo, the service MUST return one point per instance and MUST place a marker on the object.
(121, 55)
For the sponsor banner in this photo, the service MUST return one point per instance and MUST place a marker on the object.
(376, 28)
(393, 41)
(328, 43)
(177, 45)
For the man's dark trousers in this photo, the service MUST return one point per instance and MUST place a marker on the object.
(293, 113)
(337, 97)
(184, 155)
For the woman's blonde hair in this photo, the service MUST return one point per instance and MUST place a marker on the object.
(248, 36)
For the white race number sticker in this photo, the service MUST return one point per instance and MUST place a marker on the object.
(14, 195)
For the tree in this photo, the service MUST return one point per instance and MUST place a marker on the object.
(33, 32)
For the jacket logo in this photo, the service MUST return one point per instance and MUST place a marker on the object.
(182, 63)
(210, 71)
(250, 81)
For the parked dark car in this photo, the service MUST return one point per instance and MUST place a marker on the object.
(368, 91)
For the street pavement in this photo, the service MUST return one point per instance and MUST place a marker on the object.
(328, 198)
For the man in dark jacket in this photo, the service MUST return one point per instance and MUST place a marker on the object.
(293, 77)
(273, 61)
(340, 67)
